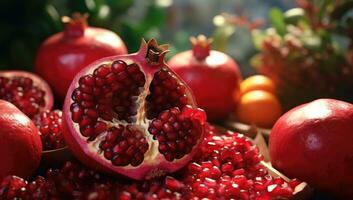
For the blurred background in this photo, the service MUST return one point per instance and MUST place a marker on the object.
(322, 61)
(25, 24)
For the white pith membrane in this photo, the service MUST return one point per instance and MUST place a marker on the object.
(152, 156)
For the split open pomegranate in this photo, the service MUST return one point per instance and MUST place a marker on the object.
(27, 91)
(132, 115)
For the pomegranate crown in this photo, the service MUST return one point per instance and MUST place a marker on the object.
(153, 52)
(201, 46)
(75, 26)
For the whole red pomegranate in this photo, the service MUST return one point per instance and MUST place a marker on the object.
(64, 54)
(132, 115)
(30, 93)
(213, 77)
(314, 142)
(20, 144)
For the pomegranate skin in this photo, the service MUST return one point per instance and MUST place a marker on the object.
(20, 144)
(214, 79)
(314, 143)
(64, 54)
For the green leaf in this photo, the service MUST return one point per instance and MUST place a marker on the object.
(325, 36)
(342, 9)
(294, 15)
(103, 16)
(53, 17)
(258, 37)
(82, 6)
(155, 16)
(312, 42)
(131, 33)
(221, 37)
(120, 5)
(323, 7)
(277, 20)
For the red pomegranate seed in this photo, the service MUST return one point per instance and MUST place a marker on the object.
(173, 184)
(49, 123)
(22, 92)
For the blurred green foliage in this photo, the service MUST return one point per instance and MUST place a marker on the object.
(25, 24)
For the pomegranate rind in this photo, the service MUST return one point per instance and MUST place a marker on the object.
(78, 144)
(20, 143)
(313, 142)
(37, 81)
(53, 50)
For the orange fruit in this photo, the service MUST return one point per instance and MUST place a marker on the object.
(259, 107)
(257, 82)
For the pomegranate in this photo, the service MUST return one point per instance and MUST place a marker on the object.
(132, 115)
(49, 123)
(213, 76)
(30, 93)
(64, 54)
(313, 142)
(20, 145)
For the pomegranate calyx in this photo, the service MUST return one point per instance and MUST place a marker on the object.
(153, 52)
(75, 26)
(201, 46)
(196, 113)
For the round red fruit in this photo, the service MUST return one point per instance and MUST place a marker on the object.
(28, 92)
(20, 145)
(314, 143)
(213, 76)
(132, 115)
(64, 54)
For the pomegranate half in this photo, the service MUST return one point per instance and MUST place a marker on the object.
(132, 115)
(27, 91)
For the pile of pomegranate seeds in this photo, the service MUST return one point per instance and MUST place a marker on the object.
(22, 92)
(71, 182)
(74, 181)
(49, 123)
(227, 167)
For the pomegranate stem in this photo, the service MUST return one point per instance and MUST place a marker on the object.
(75, 26)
